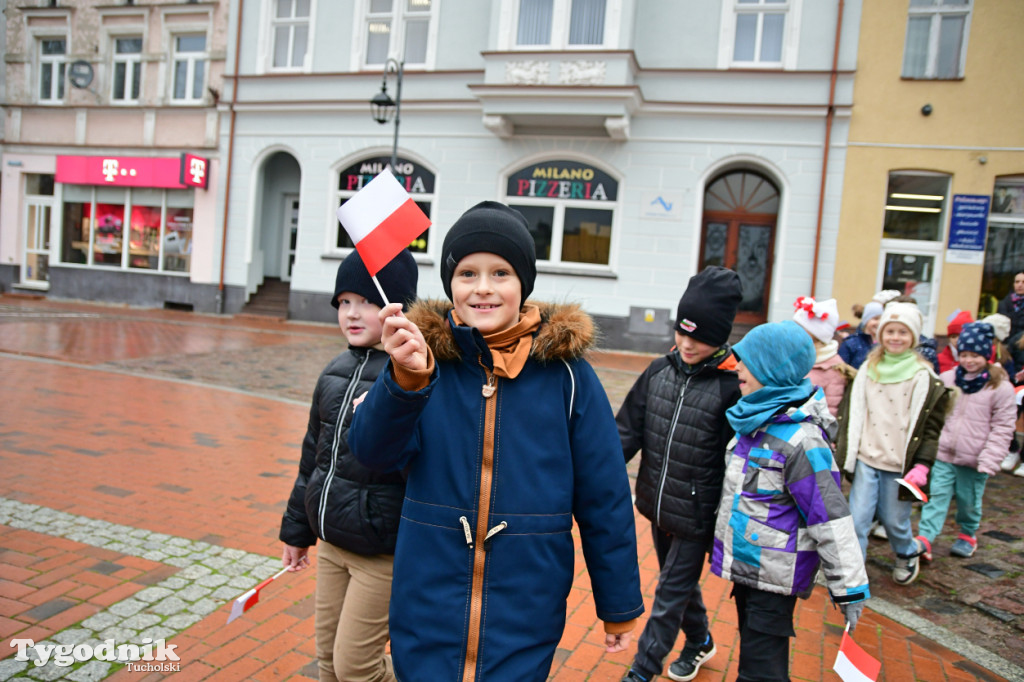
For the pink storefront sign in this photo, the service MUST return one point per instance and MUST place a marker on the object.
(123, 171)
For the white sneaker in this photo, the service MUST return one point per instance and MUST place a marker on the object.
(878, 531)
(1010, 462)
(1019, 471)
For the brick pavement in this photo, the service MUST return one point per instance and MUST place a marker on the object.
(137, 500)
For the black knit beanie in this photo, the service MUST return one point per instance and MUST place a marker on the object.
(495, 228)
(398, 279)
(708, 305)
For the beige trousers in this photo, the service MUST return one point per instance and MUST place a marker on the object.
(352, 596)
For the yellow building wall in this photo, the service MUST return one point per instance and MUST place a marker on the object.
(975, 133)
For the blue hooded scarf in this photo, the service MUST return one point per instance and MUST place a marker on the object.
(779, 355)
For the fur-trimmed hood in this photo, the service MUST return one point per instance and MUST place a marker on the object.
(566, 332)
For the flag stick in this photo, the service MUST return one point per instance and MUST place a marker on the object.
(380, 289)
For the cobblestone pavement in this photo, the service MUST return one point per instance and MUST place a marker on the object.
(147, 456)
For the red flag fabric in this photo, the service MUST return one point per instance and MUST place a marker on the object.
(382, 219)
(853, 664)
(249, 599)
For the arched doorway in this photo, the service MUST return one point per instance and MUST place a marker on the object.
(740, 212)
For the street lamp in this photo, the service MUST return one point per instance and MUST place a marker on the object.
(382, 107)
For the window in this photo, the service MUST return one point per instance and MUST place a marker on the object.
(560, 23)
(1004, 248)
(158, 229)
(936, 38)
(189, 63)
(914, 206)
(52, 69)
(127, 70)
(570, 208)
(398, 28)
(418, 181)
(290, 27)
(760, 31)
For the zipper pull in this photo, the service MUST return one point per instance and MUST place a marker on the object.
(489, 387)
(467, 530)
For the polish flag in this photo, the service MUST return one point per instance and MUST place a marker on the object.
(853, 664)
(382, 219)
(249, 599)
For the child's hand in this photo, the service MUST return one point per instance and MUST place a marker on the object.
(402, 339)
(918, 475)
(359, 401)
(616, 643)
(295, 558)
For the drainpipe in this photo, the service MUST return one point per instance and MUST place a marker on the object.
(829, 116)
(231, 155)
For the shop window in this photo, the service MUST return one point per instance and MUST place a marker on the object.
(936, 42)
(914, 206)
(399, 28)
(127, 71)
(1004, 248)
(52, 69)
(570, 208)
(760, 31)
(189, 69)
(418, 181)
(560, 23)
(158, 231)
(290, 29)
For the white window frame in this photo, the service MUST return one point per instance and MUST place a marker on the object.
(58, 64)
(190, 58)
(132, 62)
(560, 21)
(396, 44)
(269, 35)
(731, 9)
(937, 11)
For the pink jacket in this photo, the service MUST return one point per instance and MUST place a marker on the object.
(831, 380)
(979, 428)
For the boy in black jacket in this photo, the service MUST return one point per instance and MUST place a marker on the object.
(675, 416)
(353, 510)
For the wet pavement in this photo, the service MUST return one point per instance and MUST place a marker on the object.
(147, 456)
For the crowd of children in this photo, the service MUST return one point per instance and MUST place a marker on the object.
(451, 448)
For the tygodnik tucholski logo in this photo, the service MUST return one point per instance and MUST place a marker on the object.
(150, 656)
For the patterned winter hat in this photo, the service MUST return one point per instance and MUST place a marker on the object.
(976, 337)
(819, 318)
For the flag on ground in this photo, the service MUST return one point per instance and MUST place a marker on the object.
(382, 219)
(249, 599)
(853, 664)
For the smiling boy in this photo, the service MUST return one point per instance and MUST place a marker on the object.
(506, 436)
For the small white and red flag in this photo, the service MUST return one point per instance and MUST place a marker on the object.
(382, 219)
(853, 664)
(249, 599)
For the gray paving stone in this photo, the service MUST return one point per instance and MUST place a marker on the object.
(182, 621)
(240, 583)
(120, 634)
(159, 537)
(158, 632)
(153, 555)
(47, 672)
(179, 561)
(194, 572)
(216, 562)
(214, 580)
(90, 672)
(141, 621)
(225, 593)
(101, 621)
(153, 594)
(234, 569)
(174, 583)
(204, 607)
(140, 533)
(127, 607)
(168, 606)
(231, 553)
(73, 636)
(193, 592)
(10, 667)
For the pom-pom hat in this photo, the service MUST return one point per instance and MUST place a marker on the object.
(819, 318)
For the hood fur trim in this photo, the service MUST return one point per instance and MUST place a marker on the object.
(566, 332)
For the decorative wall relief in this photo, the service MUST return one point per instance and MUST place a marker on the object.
(582, 73)
(527, 73)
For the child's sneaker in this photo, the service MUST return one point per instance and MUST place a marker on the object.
(964, 546)
(906, 570)
(878, 531)
(1019, 471)
(1010, 462)
(633, 676)
(691, 659)
(924, 548)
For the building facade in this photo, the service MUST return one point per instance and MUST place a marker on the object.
(642, 141)
(110, 158)
(933, 199)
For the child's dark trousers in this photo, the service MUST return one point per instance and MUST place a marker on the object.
(765, 624)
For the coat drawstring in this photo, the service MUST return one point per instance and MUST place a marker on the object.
(468, 531)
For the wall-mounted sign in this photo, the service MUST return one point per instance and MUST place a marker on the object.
(80, 73)
(194, 171)
(415, 178)
(663, 205)
(121, 171)
(968, 224)
(562, 180)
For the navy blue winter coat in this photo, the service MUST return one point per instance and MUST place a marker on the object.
(484, 561)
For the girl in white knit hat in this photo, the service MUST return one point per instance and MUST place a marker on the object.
(820, 319)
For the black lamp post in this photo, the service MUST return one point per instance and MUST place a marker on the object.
(382, 107)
